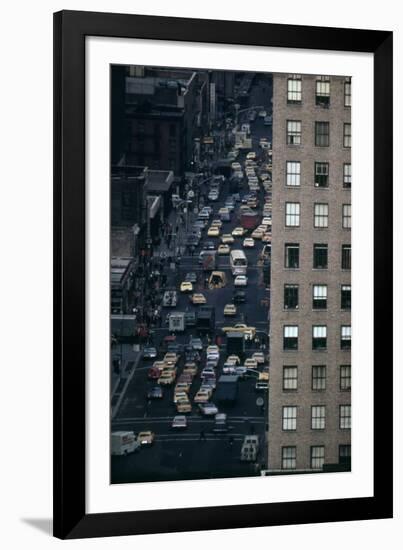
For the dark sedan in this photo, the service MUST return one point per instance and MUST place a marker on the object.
(155, 392)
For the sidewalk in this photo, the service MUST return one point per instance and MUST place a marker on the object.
(178, 242)
(122, 382)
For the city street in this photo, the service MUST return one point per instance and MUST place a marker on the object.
(198, 451)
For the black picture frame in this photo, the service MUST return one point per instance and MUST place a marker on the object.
(70, 30)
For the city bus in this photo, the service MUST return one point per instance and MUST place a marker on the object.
(238, 262)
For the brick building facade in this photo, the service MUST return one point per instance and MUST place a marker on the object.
(310, 331)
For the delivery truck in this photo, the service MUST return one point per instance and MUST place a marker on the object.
(177, 321)
(124, 443)
(227, 389)
(235, 343)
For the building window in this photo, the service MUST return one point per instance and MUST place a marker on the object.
(291, 255)
(294, 90)
(318, 417)
(292, 211)
(347, 175)
(290, 340)
(345, 454)
(317, 457)
(345, 296)
(345, 337)
(322, 96)
(347, 134)
(345, 417)
(322, 134)
(290, 378)
(289, 418)
(321, 215)
(319, 377)
(346, 256)
(288, 458)
(345, 377)
(321, 174)
(319, 337)
(346, 216)
(320, 256)
(290, 296)
(293, 178)
(319, 296)
(347, 92)
(293, 132)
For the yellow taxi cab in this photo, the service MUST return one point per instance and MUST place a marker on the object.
(198, 298)
(186, 286)
(146, 438)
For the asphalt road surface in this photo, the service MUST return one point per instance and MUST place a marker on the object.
(197, 452)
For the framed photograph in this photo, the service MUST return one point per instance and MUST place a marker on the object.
(213, 368)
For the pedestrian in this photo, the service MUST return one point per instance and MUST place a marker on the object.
(202, 435)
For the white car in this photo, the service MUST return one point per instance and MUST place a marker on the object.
(238, 232)
(213, 353)
(236, 166)
(208, 409)
(248, 242)
(262, 114)
(266, 221)
(251, 155)
(179, 422)
(241, 280)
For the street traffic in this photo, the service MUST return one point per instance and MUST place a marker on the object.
(196, 398)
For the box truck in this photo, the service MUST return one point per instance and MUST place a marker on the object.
(123, 443)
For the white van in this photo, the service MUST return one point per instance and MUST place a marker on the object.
(124, 443)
